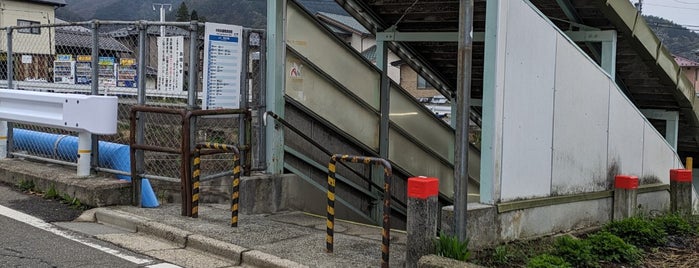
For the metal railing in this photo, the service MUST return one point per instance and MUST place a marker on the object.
(196, 174)
(139, 146)
(388, 174)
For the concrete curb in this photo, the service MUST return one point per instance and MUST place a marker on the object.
(261, 259)
(185, 239)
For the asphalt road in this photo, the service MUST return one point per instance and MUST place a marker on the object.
(28, 239)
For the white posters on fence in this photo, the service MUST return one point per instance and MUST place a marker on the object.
(222, 66)
(170, 63)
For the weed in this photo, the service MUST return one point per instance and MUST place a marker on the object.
(51, 193)
(574, 251)
(609, 247)
(548, 261)
(451, 247)
(26, 185)
(501, 255)
(640, 232)
(674, 224)
(73, 202)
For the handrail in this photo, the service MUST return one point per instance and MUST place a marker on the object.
(388, 174)
(235, 195)
(324, 150)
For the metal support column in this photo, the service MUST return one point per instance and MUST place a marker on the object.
(244, 96)
(94, 89)
(10, 60)
(608, 60)
(463, 94)
(10, 85)
(141, 99)
(384, 109)
(276, 21)
(672, 122)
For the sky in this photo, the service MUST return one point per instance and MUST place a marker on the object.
(683, 12)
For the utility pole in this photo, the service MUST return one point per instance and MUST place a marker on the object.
(162, 15)
(639, 6)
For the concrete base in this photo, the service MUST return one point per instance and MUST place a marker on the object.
(487, 227)
(259, 194)
(92, 191)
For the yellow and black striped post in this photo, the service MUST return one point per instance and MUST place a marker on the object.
(196, 173)
(386, 231)
(235, 195)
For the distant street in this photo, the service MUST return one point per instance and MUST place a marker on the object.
(28, 241)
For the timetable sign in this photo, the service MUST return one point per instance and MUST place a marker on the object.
(222, 66)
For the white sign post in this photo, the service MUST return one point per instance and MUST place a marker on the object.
(223, 56)
(170, 63)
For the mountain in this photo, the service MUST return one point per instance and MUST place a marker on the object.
(678, 39)
(249, 13)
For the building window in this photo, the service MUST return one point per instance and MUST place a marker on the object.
(421, 83)
(28, 30)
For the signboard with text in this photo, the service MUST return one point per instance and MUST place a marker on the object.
(222, 66)
(170, 63)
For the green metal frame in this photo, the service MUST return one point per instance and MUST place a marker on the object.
(276, 18)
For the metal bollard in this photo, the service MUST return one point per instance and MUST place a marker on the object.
(235, 195)
(330, 223)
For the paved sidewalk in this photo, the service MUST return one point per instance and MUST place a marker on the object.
(289, 239)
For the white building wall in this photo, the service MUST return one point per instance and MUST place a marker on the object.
(566, 127)
(526, 136)
(11, 11)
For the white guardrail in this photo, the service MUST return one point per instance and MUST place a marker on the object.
(85, 114)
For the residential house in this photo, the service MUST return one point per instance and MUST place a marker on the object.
(690, 69)
(356, 36)
(33, 48)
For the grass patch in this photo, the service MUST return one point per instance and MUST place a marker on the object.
(548, 261)
(618, 244)
(26, 185)
(450, 246)
(640, 232)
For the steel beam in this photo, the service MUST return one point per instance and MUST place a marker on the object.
(276, 49)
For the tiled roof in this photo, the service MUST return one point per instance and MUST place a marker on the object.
(370, 53)
(684, 62)
(346, 22)
(154, 30)
(80, 39)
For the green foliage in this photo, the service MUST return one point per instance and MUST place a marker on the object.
(609, 247)
(51, 193)
(182, 13)
(574, 251)
(640, 232)
(501, 255)
(26, 185)
(674, 224)
(678, 39)
(73, 202)
(548, 261)
(451, 247)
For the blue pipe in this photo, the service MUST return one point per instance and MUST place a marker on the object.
(63, 147)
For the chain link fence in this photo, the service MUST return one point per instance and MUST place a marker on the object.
(104, 58)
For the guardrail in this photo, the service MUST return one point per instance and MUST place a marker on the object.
(74, 112)
(388, 174)
(196, 173)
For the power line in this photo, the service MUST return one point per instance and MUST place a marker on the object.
(659, 5)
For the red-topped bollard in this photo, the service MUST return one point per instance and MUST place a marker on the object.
(625, 193)
(681, 191)
(423, 210)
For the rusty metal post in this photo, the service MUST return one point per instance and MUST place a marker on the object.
(386, 230)
(463, 95)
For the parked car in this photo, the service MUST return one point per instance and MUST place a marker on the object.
(439, 99)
